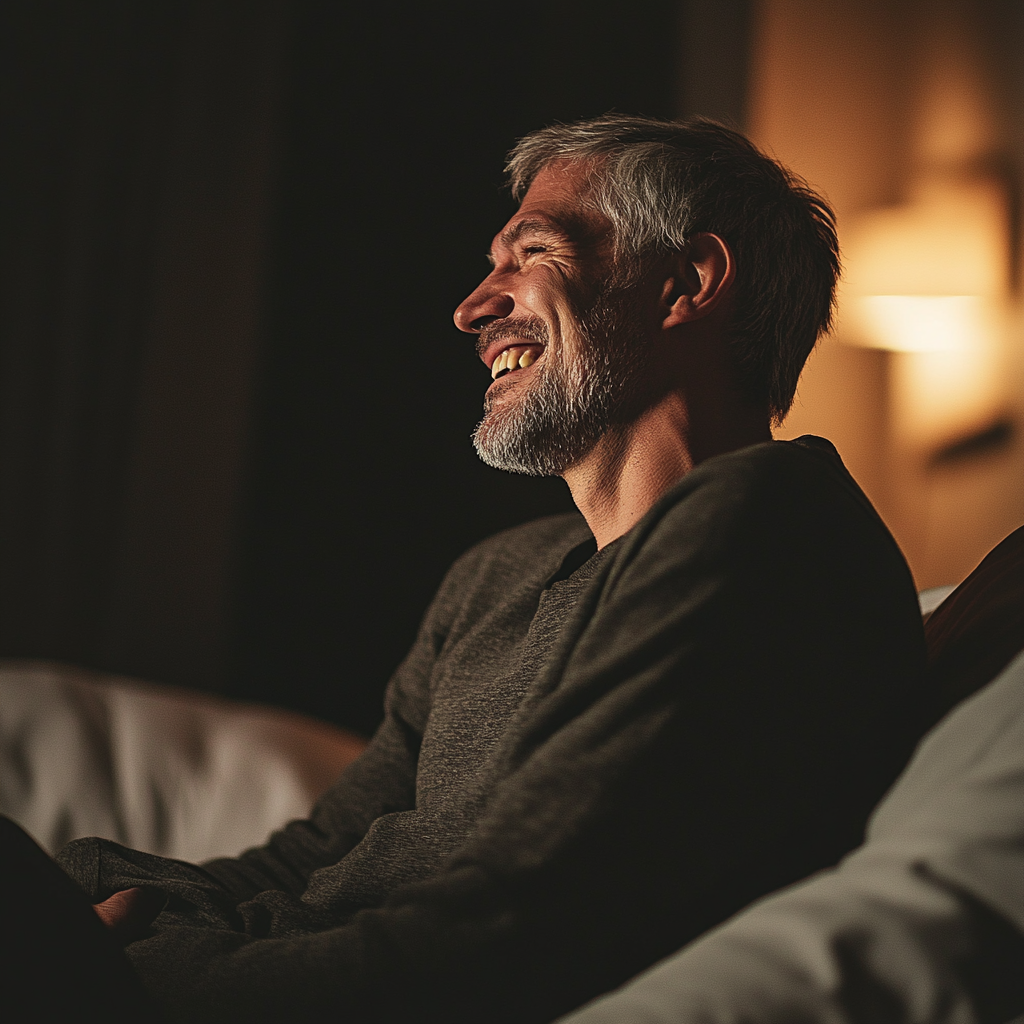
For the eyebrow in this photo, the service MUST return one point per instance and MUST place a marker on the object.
(511, 234)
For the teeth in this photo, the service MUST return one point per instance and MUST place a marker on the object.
(513, 358)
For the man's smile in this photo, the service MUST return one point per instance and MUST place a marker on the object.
(512, 347)
(515, 357)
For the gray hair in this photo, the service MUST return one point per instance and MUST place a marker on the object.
(661, 182)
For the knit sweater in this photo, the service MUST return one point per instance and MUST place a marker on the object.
(578, 772)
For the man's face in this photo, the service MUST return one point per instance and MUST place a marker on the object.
(565, 345)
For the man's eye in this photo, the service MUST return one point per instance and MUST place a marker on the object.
(531, 249)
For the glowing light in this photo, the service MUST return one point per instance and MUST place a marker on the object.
(923, 277)
(922, 323)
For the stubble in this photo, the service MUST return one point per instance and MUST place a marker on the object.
(585, 385)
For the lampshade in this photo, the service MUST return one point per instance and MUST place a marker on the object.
(924, 276)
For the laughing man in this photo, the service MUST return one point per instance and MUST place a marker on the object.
(617, 727)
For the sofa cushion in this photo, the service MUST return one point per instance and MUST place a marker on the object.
(165, 770)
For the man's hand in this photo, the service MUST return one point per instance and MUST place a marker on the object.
(128, 913)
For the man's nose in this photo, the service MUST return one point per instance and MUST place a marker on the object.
(483, 306)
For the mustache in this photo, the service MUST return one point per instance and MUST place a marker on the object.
(521, 328)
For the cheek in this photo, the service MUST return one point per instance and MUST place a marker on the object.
(550, 297)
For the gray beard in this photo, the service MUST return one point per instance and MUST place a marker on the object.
(575, 400)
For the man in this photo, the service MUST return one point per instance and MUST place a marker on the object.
(614, 729)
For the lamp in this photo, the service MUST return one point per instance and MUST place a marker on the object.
(927, 276)
(927, 281)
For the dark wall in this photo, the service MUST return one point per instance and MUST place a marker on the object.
(365, 485)
(135, 170)
(234, 411)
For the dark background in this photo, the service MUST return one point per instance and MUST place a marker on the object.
(234, 431)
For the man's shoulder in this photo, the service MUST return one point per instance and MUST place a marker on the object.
(778, 496)
(801, 473)
(805, 456)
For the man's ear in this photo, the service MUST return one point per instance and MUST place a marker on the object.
(703, 275)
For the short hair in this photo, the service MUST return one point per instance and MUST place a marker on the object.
(661, 182)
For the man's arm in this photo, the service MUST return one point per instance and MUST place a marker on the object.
(716, 721)
(380, 781)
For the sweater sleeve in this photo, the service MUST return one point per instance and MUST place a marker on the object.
(380, 781)
(717, 719)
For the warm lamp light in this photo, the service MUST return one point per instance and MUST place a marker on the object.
(923, 323)
(924, 277)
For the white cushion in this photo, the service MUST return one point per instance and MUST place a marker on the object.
(157, 768)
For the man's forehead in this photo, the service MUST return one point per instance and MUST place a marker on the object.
(561, 181)
(556, 205)
(533, 223)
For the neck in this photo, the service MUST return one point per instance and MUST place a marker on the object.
(632, 466)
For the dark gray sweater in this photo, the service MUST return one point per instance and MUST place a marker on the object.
(578, 772)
